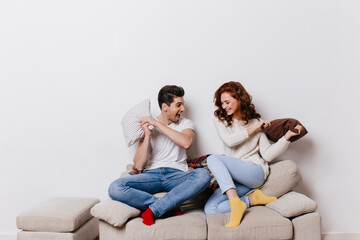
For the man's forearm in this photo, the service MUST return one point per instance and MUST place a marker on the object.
(182, 139)
(142, 153)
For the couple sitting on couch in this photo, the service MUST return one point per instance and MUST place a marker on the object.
(161, 158)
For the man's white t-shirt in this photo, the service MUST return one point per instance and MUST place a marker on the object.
(165, 153)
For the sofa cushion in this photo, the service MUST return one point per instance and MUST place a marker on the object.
(293, 204)
(283, 177)
(57, 215)
(258, 223)
(191, 225)
(113, 212)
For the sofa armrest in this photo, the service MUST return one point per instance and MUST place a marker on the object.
(293, 204)
(307, 226)
(113, 212)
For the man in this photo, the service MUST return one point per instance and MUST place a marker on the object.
(161, 159)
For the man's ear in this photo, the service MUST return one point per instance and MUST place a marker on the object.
(164, 107)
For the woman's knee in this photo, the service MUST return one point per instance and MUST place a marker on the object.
(212, 160)
(207, 209)
(210, 208)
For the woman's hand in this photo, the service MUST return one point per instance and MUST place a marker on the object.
(258, 127)
(263, 124)
(290, 133)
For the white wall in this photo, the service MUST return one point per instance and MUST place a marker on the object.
(69, 70)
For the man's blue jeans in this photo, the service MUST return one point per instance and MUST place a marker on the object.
(137, 190)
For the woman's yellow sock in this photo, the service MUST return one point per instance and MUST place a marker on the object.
(238, 207)
(259, 198)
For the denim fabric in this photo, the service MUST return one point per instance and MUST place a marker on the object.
(137, 190)
(219, 202)
(230, 173)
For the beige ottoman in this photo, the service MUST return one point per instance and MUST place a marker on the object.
(59, 219)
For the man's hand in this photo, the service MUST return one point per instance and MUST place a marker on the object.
(145, 126)
(150, 120)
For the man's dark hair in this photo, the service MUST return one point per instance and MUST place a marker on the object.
(168, 93)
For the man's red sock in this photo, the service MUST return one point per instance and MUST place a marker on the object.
(176, 211)
(148, 217)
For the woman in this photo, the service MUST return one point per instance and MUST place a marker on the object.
(244, 166)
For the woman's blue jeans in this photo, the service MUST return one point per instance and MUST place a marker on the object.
(137, 190)
(231, 172)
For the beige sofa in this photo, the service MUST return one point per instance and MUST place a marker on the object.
(292, 216)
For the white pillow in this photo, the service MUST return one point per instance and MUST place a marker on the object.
(130, 123)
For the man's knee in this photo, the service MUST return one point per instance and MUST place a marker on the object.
(203, 175)
(117, 189)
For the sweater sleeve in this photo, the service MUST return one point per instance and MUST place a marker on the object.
(229, 137)
(270, 151)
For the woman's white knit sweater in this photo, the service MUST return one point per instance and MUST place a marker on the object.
(256, 148)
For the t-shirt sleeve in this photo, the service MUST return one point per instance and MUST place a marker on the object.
(187, 123)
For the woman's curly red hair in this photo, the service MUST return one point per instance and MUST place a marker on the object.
(237, 91)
